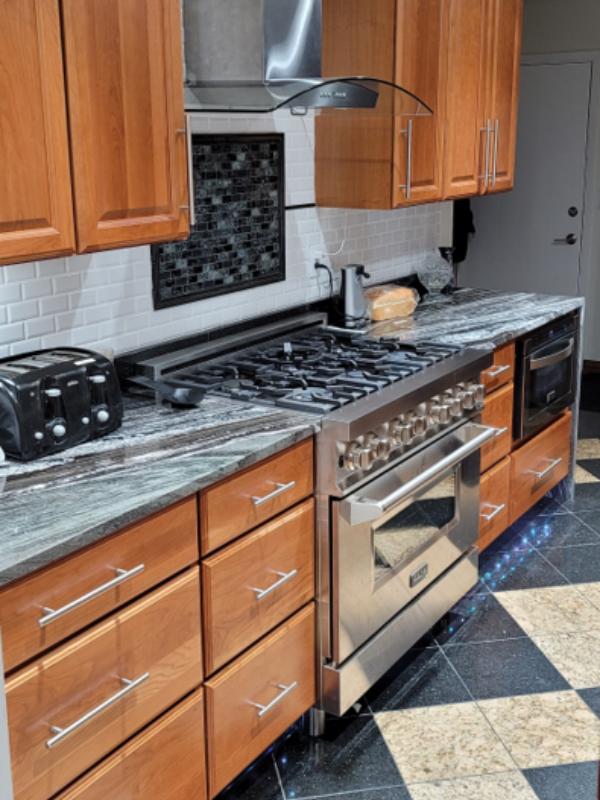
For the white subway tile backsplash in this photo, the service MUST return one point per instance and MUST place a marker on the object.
(18, 312)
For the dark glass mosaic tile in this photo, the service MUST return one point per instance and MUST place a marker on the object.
(238, 240)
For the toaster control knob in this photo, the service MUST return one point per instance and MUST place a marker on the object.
(102, 416)
(59, 431)
(85, 420)
(440, 414)
(360, 457)
(38, 436)
(53, 392)
(98, 378)
(420, 425)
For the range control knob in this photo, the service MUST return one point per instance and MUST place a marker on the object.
(401, 432)
(467, 399)
(479, 390)
(420, 425)
(359, 457)
(455, 406)
(102, 416)
(59, 431)
(440, 414)
(381, 447)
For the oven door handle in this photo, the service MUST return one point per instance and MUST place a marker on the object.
(357, 510)
(554, 358)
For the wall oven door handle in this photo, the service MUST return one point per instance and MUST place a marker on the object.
(358, 509)
(553, 358)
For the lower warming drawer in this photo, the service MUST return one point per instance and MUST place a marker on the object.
(347, 683)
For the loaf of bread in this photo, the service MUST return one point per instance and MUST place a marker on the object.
(387, 302)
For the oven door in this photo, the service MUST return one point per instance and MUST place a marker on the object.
(400, 532)
(548, 384)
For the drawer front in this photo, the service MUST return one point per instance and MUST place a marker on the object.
(279, 676)
(494, 503)
(498, 413)
(503, 369)
(539, 465)
(155, 764)
(148, 553)
(154, 643)
(242, 502)
(254, 584)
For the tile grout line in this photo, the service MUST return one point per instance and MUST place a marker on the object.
(279, 781)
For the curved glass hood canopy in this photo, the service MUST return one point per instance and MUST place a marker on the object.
(259, 56)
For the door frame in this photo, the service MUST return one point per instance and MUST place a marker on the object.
(590, 222)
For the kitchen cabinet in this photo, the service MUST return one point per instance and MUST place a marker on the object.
(115, 175)
(36, 207)
(461, 57)
(383, 161)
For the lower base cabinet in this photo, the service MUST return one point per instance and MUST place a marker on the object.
(165, 762)
(257, 697)
(494, 501)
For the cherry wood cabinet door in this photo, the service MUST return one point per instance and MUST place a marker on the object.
(421, 48)
(504, 53)
(466, 136)
(128, 144)
(36, 210)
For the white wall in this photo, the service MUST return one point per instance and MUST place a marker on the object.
(105, 300)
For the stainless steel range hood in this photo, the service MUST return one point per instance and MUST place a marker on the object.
(257, 56)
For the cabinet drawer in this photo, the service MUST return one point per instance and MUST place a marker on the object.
(148, 552)
(155, 643)
(254, 700)
(502, 370)
(494, 503)
(539, 465)
(254, 584)
(498, 413)
(250, 498)
(165, 762)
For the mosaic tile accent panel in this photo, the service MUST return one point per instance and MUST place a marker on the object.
(238, 241)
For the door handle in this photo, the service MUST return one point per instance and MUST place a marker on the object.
(409, 134)
(495, 163)
(488, 132)
(570, 239)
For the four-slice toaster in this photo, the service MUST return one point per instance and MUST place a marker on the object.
(53, 399)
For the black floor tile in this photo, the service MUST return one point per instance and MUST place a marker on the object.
(591, 465)
(351, 755)
(589, 425)
(591, 518)
(559, 530)
(587, 498)
(565, 782)
(577, 564)
(415, 682)
(545, 507)
(477, 618)
(592, 698)
(505, 668)
(524, 569)
(258, 782)
(390, 793)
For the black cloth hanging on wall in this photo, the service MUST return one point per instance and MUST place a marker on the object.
(463, 227)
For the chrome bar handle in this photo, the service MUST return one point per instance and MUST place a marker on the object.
(49, 614)
(281, 488)
(495, 165)
(493, 372)
(62, 733)
(554, 358)
(285, 690)
(500, 431)
(409, 133)
(488, 131)
(495, 512)
(284, 577)
(547, 470)
(188, 126)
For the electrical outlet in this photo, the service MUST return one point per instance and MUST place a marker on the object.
(316, 254)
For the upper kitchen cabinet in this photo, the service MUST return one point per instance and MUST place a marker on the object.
(484, 49)
(128, 145)
(366, 160)
(36, 212)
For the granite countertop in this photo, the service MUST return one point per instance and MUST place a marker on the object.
(53, 507)
(482, 318)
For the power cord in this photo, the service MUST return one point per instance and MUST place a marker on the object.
(318, 265)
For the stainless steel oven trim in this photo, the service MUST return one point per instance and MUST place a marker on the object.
(553, 358)
(345, 684)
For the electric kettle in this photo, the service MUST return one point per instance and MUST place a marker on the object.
(351, 295)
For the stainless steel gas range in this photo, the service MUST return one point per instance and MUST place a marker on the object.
(398, 462)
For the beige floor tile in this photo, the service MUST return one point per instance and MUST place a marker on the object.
(502, 786)
(541, 730)
(591, 591)
(583, 476)
(588, 448)
(557, 609)
(442, 742)
(575, 655)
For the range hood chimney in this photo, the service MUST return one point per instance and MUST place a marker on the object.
(257, 56)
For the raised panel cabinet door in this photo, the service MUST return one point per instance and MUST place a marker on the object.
(503, 90)
(466, 132)
(421, 59)
(128, 144)
(36, 209)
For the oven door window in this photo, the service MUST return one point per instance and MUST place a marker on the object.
(548, 385)
(407, 531)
